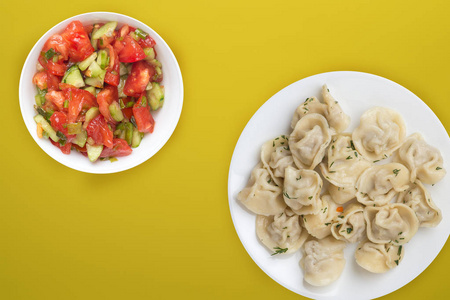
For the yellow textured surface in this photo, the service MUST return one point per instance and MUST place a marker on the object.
(163, 229)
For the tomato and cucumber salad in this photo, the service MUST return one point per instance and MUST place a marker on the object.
(97, 86)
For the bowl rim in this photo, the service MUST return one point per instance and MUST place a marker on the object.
(178, 94)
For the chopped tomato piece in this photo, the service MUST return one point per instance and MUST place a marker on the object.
(58, 120)
(78, 100)
(142, 115)
(56, 97)
(131, 50)
(52, 81)
(99, 131)
(107, 96)
(40, 79)
(148, 42)
(78, 40)
(120, 148)
(64, 149)
(138, 79)
(58, 68)
(58, 44)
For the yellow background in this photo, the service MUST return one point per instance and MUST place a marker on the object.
(163, 230)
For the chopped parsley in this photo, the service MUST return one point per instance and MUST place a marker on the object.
(287, 195)
(279, 250)
(438, 168)
(349, 230)
(395, 171)
(352, 145)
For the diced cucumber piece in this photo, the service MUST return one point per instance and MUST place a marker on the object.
(90, 115)
(116, 112)
(102, 59)
(149, 86)
(95, 70)
(120, 131)
(87, 62)
(91, 90)
(137, 137)
(106, 29)
(94, 41)
(154, 62)
(74, 128)
(156, 96)
(47, 127)
(81, 138)
(129, 128)
(150, 53)
(73, 77)
(94, 151)
(40, 100)
(123, 69)
(94, 81)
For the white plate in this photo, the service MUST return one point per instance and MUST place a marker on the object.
(356, 92)
(166, 118)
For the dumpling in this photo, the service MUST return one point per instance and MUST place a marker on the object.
(281, 233)
(337, 119)
(418, 198)
(341, 195)
(276, 156)
(309, 140)
(323, 260)
(329, 108)
(302, 190)
(351, 226)
(344, 164)
(423, 160)
(378, 258)
(319, 224)
(262, 196)
(393, 223)
(379, 184)
(381, 131)
(310, 106)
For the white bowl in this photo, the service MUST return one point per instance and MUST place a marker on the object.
(166, 118)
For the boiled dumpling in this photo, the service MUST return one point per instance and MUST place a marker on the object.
(381, 131)
(323, 260)
(281, 232)
(302, 190)
(262, 196)
(393, 223)
(351, 226)
(319, 224)
(418, 198)
(423, 160)
(310, 106)
(378, 258)
(329, 108)
(276, 156)
(344, 164)
(379, 184)
(337, 119)
(309, 140)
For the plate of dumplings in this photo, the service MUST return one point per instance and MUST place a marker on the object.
(337, 186)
